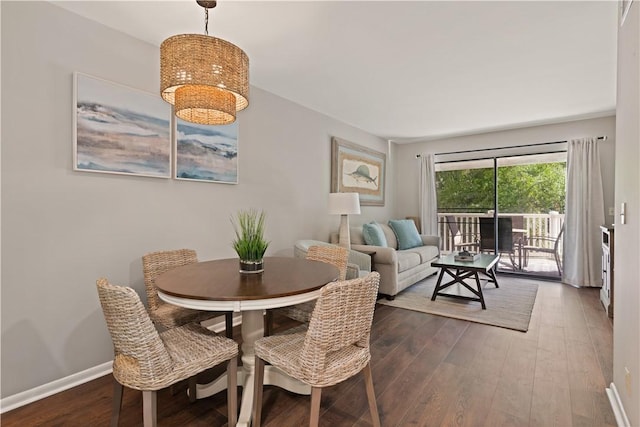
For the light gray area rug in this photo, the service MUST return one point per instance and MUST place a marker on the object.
(508, 306)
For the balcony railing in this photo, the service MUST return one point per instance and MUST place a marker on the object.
(541, 229)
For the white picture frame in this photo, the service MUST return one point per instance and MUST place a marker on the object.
(625, 5)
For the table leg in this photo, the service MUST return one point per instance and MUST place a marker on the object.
(480, 295)
(437, 288)
(520, 266)
(492, 277)
(252, 330)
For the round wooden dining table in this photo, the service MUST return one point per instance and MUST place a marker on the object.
(219, 286)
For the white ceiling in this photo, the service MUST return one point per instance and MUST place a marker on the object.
(408, 71)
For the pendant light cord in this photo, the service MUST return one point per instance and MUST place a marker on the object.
(206, 21)
(206, 5)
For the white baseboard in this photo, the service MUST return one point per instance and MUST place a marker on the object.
(616, 405)
(28, 396)
(23, 398)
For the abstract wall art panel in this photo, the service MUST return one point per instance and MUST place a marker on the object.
(120, 130)
(206, 153)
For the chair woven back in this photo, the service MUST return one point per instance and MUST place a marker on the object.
(140, 354)
(335, 255)
(342, 318)
(156, 263)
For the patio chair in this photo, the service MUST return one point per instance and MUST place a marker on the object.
(333, 349)
(505, 239)
(149, 361)
(519, 237)
(461, 241)
(487, 235)
(552, 246)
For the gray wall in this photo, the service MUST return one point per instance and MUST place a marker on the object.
(626, 312)
(61, 229)
(407, 180)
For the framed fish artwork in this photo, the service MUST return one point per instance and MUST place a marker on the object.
(358, 169)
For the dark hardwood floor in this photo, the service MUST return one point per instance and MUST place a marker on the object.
(427, 371)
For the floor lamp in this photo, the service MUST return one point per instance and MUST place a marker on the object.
(344, 204)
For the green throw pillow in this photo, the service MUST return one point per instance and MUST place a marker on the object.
(406, 233)
(373, 235)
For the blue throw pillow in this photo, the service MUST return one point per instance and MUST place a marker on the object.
(373, 235)
(406, 233)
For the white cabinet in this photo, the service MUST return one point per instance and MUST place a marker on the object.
(606, 293)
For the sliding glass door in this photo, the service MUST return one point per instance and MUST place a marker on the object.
(465, 192)
(525, 193)
(531, 191)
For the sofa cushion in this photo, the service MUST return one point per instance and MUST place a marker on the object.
(407, 260)
(373, 235)
(406, 233)
(392, 242)
(427, 253)
(356, 236)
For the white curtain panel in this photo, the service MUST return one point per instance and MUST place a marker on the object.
(582, 248)
(427, 198)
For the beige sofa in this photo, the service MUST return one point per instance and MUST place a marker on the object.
(398, 269)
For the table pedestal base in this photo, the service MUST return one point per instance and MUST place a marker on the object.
(272, 376)
(252, 329)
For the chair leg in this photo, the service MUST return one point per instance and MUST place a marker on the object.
(268, 322)
(314, 418)
(193, 383)
(232, 391)
(149, 408)
(117, 403)
(173, 389)
(371, 395)
(257, 392)
(228, 324)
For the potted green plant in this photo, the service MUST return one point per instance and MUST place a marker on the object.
(249, 243)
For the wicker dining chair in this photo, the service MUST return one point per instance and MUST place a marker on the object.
(168, 315)
(334, 348)
(335, 255)
(149, 361)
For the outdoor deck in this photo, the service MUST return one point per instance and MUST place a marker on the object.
(539, 265)
(541, 230)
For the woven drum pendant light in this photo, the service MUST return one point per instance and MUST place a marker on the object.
(204, 77)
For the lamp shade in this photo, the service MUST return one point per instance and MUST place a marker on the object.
(344, 203)
(206, 78)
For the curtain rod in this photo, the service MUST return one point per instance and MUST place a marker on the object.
(601, 138)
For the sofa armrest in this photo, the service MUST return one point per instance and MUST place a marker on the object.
(357, 261)
(363, 261)
(353, 271)
(382, 254)
(430, 240)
